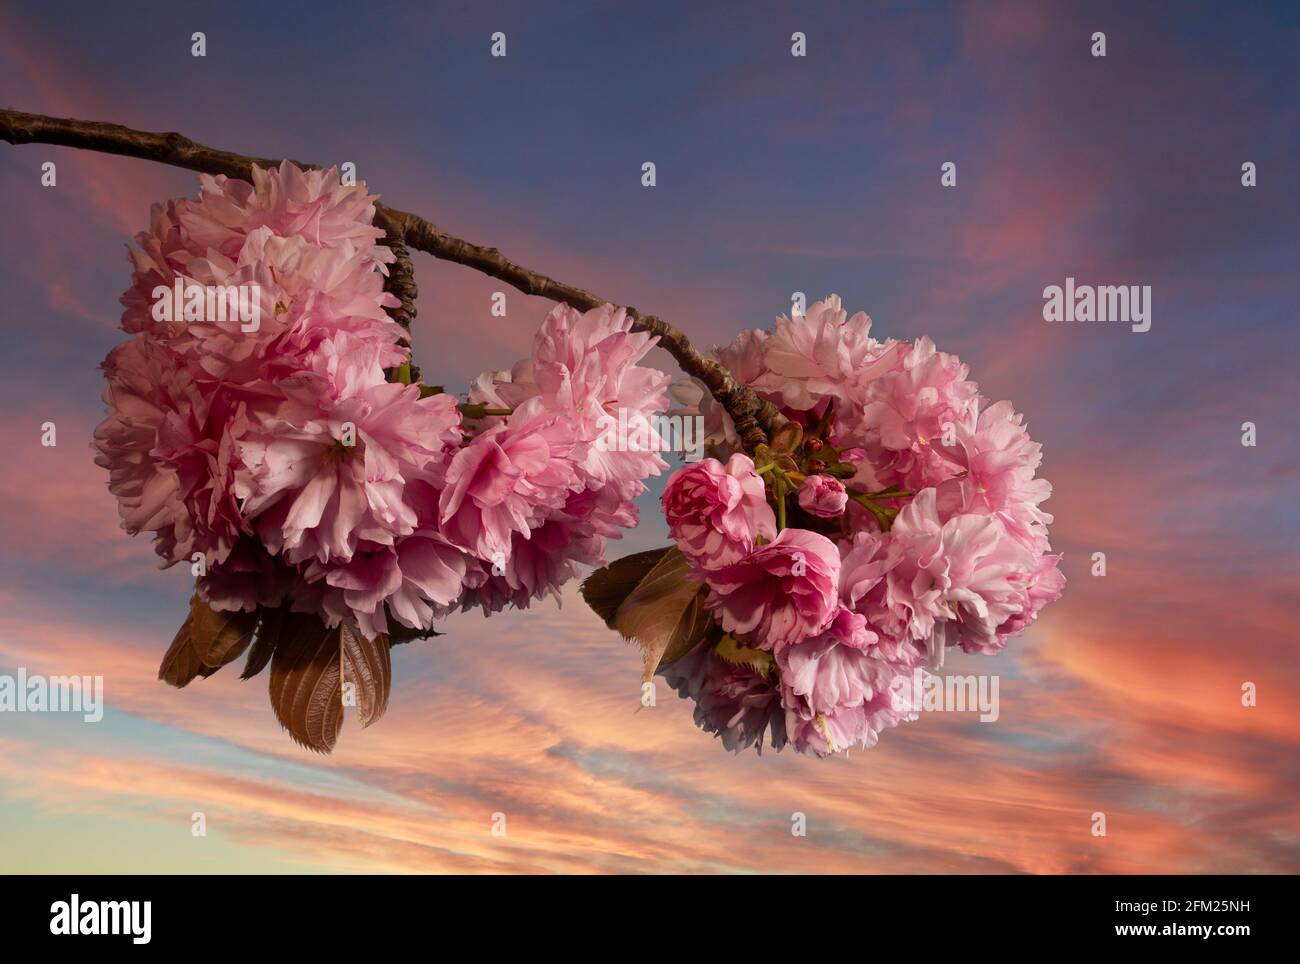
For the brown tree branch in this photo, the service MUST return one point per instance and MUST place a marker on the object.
(401, 281)
(755, 419)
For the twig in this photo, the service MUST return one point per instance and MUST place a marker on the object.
(401, 281)
(754, 418)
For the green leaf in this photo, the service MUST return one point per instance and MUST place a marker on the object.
(758, 660)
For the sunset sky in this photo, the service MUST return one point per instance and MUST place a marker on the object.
(775, 174)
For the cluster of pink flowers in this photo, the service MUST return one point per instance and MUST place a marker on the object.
(550, 483)
(915, 525)
(278, 459)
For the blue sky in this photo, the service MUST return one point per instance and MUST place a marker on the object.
(775, 174)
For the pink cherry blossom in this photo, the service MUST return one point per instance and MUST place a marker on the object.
(717, 513)
(281, 455)
(741, 706)
(278, 451)
(1044, 585)
(957, 553)
(837, 694)
(916, 402)
(958, 580)
(820, 354)
(508, 478)
(780, 593)
(585, 373)
(585, 365)
(823, 496)
(999, 461)
(170, 472)
(825, 674)
(420, 577)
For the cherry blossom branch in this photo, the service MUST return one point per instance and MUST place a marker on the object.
(755, 419)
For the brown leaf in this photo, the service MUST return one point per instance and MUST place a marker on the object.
(308, 668)
(786, 439)
(303, 695)
(219, 637)
(665, 613)
(607, 588)
(268, 634)
(206, 641)
(180, 664)
(369, 668)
